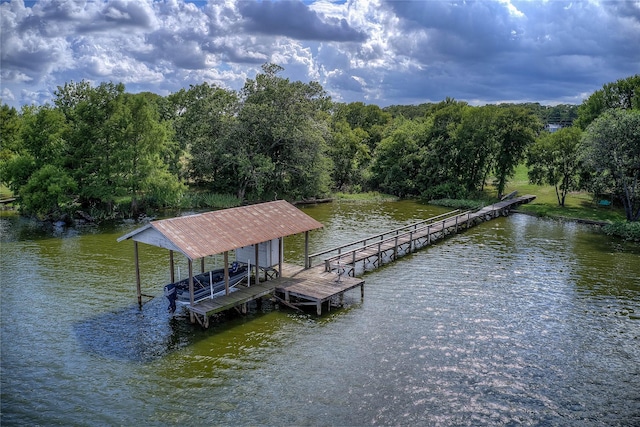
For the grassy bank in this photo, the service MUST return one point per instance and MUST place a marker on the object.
(369, 196)
(578, 205)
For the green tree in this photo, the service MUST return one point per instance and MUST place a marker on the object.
(38, 139)
(280, 145)
(96, 117)
(117, 145)
(16, 170)
(350, 155)
(440, 164)
(369, 118)
(10, 128)
(622, 94)
(141, 167)
(554, 159)
(205, 115)
(476, 139)
(612, 150)
(48, 194)
(398, 163)
(516, 129)
(15, 166)
(44, 134)
(408, 111)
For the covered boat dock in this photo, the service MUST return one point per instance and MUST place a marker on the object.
(256, 229)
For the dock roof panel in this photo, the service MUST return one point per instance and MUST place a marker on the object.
(215, 232)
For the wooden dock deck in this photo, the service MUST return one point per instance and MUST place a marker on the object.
(296, 287)
(314, 286)
(242, 295)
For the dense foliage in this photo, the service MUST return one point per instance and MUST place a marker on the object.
(611, 147)
(103, 152)
(554, 160)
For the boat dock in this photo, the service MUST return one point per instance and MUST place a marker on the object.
(326, 276)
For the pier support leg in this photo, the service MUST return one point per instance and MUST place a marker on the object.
(192, 314)
(307, 261)
(172, 268)
(138, 286)
(257, 252)
(319, 307)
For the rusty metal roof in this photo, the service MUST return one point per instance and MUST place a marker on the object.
(215, 232)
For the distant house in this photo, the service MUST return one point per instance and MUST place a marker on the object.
(553, 127)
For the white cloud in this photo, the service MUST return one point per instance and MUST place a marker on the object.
(379, 51)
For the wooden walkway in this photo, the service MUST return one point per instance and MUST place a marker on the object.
(317, 285)
(374, 251)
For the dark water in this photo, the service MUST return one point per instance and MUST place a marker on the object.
(519, 321)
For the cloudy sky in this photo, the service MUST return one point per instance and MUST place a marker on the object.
(376, 51)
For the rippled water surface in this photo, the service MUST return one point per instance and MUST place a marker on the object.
(519, 321)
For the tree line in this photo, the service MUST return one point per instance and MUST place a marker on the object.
(101, 150)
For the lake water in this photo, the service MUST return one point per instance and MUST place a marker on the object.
(518, 321)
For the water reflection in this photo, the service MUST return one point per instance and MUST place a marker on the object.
(133, 334)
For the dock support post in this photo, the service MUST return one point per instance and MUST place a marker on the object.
(202, 265)
(307, 261)
(172, 274)
(192, 314)
(429, 234)
(353, 262)
(281, 255)
(257, 254)
(410, 241)
(319, 307)
(395, 248)
(138, 285)
(226, 272)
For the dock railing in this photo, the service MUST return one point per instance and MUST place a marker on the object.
(383, 237)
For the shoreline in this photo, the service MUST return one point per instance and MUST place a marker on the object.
(565, 218)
